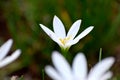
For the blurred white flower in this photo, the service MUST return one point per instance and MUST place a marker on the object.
(4, 49)
(59, 34)
(79, 70)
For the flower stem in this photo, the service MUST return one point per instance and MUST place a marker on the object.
(64, 52)
(43, 74)
(100, 54)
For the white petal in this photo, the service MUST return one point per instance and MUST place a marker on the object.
(5, 48)
(100, 69)
(83, 34)
(106, 76)
(74, 29)
(10, 58)
(51, 34)
(51, 72)
(59, 27)
(70, 43)
(62, 65)
(80, 66)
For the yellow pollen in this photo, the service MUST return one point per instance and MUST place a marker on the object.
(64, 40)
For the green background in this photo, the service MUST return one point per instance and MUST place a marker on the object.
(20, 19)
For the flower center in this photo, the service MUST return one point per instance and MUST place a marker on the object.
(65, 40)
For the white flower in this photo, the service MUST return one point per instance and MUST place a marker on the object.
(4, 51)
(59, 34)
(78, 71)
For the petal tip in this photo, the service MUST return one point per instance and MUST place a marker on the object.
(17, 52)
(41, 25)
(55, 19)
(91, 27)
(55, 16)
(10, 41)
(81, 55)
(79, 20)
(112, 60)
(55, 53)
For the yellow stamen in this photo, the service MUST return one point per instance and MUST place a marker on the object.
(64, 40)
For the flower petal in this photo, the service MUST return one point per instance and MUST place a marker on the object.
(10, 58)
(106, 76)
(81, 35)
(51, 72)
(74, 29)
(80, 66)
(62, 65)
(100, 69)
(5, 48)
(51, 34)
(59, 27)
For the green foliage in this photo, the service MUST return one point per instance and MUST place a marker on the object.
(21, 18)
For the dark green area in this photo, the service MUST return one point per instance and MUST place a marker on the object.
(20, 19)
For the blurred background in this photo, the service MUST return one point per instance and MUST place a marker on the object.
(20, 19)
